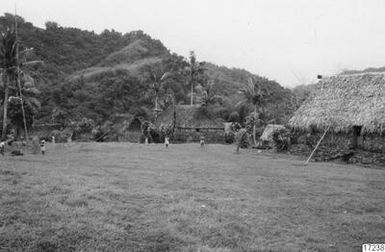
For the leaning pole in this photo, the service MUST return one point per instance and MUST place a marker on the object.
(316, 147)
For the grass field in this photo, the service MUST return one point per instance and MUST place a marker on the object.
(131, 197)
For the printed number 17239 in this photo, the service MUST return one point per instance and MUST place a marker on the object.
(374, 247)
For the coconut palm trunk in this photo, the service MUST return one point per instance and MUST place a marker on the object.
(5, 108)
(192, 93)
(156, 102)
(254, 127)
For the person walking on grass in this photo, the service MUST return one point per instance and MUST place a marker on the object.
(42, 147)
(202, 140)
(166, 141)
(240, 138)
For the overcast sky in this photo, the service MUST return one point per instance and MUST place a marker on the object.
(287, 41)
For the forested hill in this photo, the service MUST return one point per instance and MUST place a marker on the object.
(97, 76)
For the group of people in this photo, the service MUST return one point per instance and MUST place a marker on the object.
(167, 141)
(42, 146)
(239, 137)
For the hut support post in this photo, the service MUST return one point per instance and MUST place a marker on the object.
(356, 133)
(316, 147)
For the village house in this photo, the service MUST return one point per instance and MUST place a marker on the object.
(128, 127)
(268, 132)
(351, 108)
(189, 124)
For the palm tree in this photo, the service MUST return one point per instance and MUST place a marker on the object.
(23, 97)
(208, 95)
(195, 70)
(8, 63)
(156, 75)
(256, 95)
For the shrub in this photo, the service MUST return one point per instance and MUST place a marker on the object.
(151, 132)
(229, 137)
(60, 136)
(166, 130)
(281, 139)
(234, 117)
(235, 127)
(85, 125)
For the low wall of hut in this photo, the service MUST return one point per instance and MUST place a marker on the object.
(192, 135)
(337, 144)
(130, 136)
(372, 142)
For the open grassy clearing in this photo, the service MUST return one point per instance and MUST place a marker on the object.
(130, 197)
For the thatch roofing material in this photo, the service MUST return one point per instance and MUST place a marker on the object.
(227, 126)
(344, 101)
(267, 134)
(188, 117)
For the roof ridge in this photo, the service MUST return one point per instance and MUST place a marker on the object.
(358, 74)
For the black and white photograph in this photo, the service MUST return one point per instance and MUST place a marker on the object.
(192, 126)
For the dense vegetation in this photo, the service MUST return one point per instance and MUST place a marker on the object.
(99, 76)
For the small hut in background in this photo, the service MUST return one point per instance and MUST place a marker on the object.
(188, 123)
(267, 135)
(351, 106)
(128, 127)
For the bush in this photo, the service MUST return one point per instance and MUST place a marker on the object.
(85, 125)
(235, 127)
(234, 117)
(229, 137)
(60, 136)
(281, 139)
(151, 132)
(166, 130)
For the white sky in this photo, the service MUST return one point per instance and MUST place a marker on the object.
(287, 41)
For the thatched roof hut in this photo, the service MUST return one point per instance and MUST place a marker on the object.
(189, 117)
(343, 102)
(267, 134)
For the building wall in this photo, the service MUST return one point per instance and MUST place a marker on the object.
(130, 136)
(373, 142)
(368, 142)
(334, 144)
(191, 135)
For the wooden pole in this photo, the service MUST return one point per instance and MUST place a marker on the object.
(18, 80)
(192, 92)
(5, 111)
(316, 147)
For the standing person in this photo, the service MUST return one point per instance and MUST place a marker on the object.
(2, 147)
(240, 137)
(166, 141)
(53, 139)
(202, 140)
(42, 147)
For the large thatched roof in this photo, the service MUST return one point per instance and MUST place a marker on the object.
(344, 101)
(189, 117)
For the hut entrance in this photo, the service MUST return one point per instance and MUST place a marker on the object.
(356, 134)
(135, 125)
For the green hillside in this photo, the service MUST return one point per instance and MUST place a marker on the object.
(96, 76)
